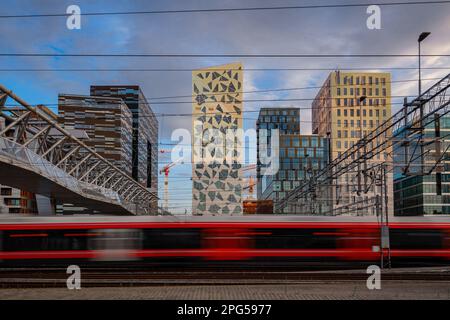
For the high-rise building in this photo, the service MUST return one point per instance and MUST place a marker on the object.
(424, 188)
(106, 121)
(348, 106)
(300, 157)
(217, 140)
(286, 121)
(145, 133)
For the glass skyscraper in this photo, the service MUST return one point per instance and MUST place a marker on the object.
(422, 184)
(286, 121)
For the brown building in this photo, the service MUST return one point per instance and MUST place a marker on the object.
(349, 106)
(258, 206)
(107, 121)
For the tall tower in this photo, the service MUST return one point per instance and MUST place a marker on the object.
(286, 121)
(349, 106)
(217, 140)
(144, 161)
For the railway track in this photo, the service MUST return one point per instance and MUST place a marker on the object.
(56, 277)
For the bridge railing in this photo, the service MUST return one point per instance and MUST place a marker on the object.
(63, 156)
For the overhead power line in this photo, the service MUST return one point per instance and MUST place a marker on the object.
(216, 55)
(211, 69)
(225, 10)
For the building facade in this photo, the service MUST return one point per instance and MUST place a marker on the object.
(348, 106)
(106, 121)
(14, 200)
(144, 168)
(300, 157)
(217, 140)
(286, 121)
(422, 186)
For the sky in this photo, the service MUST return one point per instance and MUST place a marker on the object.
(299, 31)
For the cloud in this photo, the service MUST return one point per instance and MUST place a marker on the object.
(312, 31)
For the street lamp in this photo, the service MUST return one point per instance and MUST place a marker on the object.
(422, 37)
(361, 100)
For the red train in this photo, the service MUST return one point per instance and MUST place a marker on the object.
(239, 239)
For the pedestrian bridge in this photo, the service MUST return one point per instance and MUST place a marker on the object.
(38, 155)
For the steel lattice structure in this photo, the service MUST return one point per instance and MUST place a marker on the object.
(49, 160)
(414, 116)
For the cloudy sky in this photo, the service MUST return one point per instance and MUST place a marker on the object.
(299, 31)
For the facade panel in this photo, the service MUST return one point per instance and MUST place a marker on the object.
(217, 140)
(347, 107)
(145, 133)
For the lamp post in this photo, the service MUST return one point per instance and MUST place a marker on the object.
(422, 37)
(361, 100)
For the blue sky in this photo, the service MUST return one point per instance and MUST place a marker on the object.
(296, 31)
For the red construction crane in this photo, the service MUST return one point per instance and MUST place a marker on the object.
(166, 170)
(251, 182)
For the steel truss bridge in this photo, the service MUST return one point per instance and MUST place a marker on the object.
(40, 156)
(422, 155)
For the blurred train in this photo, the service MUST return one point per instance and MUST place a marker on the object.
(266, 240)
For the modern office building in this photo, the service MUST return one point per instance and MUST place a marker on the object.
(422, 186)
(217, 140)
(347, 107)
(107, 122)
(286, 121)
(300, 157)
(145, 133)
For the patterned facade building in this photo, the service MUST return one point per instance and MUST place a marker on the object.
(286, 121)
(217, 140)
(350, 105)
(144, 168)
(107, 122)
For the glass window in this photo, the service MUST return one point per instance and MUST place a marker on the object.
(305, 142)
(286, 164)
(319, 153)
(277, 186)
(291, 174)
(291, 152)
(286, 185)
(301, 174)
(295, 164)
